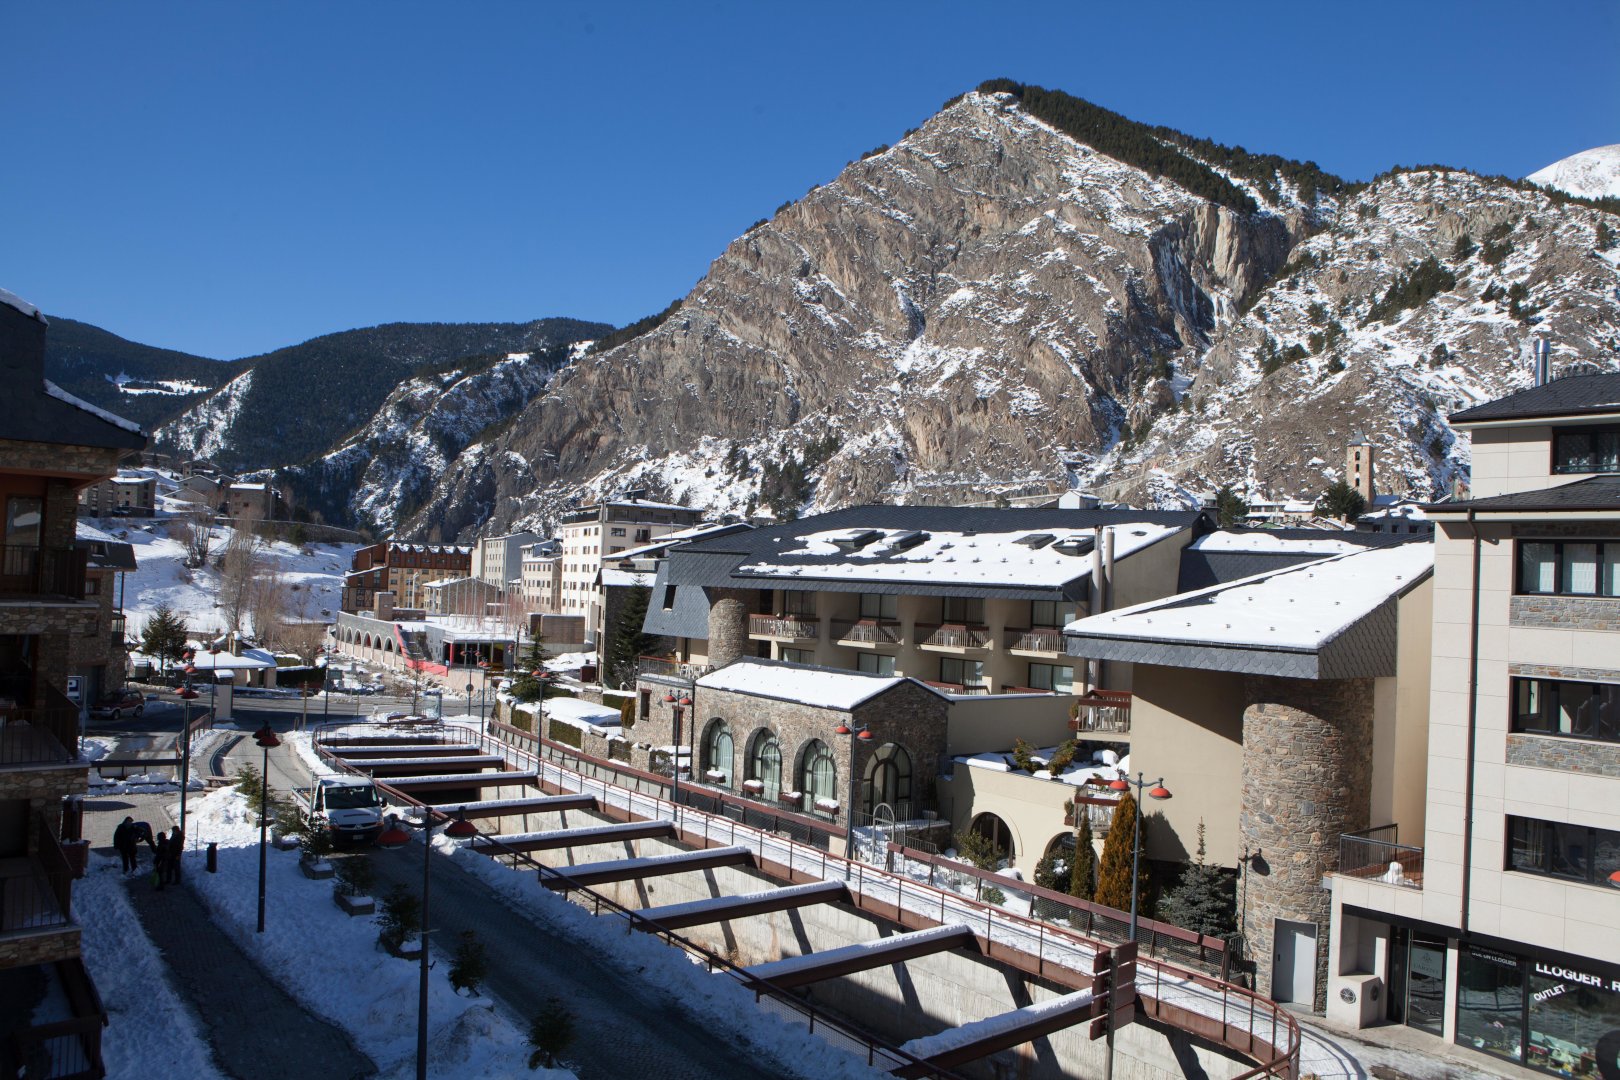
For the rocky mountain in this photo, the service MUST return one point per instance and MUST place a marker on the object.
(298, 403)
(145, 384)
(1029, 293)
(1592, 174)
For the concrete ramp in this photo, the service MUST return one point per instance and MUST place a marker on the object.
(723, 908)
(970, 1042)
(576, 877)
(564, 838)
(832, 963)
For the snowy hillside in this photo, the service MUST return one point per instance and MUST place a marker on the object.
(1592, 174)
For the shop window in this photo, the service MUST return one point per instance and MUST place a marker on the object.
(888, 781)
(1576, 710)
(765, 765)
(820, 778)
(1490, 1003)
(1587, 450)
(1569, 568)
(1570, 1013)
(717, 751)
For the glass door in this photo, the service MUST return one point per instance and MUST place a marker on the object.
(1400, 939)
(1426, 984)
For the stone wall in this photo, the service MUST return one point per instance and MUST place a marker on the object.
(728, 624)
(1567, 755)
(1565, 612)
(1306, 780)
(91, 462)
(62, 944)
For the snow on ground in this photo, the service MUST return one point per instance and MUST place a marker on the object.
(152, 1033)
(311, 948)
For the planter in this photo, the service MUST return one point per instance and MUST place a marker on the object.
(794, 799)
(827, 806)
(754, 787)
(285, 843)
(715, 776)
(316, 869)
(77, 853)
(354, 905)
(410, 949)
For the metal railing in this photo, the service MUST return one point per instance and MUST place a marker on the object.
(671, 669)
(868, 632)
(40, 896)
(63, 1049)
(1373, 854)
(954, 636)
(1103, 710)
(794, 627)
(30, 570)
(1041, 639)
(40, 736)
(1210, 1006)
(1099, 811)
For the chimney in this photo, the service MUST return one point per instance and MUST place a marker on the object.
(1541, 351)
(384, 607)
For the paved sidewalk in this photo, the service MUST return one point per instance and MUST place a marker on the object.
(256, 1031)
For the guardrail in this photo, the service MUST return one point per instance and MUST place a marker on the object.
(954, 636)
(1103, 710)
(1041, 639)
(1368, 855)
(664, 667)
(1206, 1005)
(793, 627)
(64, 1049)
(868, 632)
(30, 570)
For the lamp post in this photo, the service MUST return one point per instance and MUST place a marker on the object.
(266, 738)
(1159, 792)
(186, 694)
(469, 705)
(860, 734)
(213, 679)
(395, 836)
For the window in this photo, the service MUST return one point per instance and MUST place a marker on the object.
(765, 764)
(798, 603)
(875, 664)
(1055, 677)
(875, 606)
(717, 750)
(962, 609)
(1490, 1002)
(1586, 450)
(1052, 612)
(1569, 567)
(1575, 710)
(888, 781)
(820, 778)
(24, 515)
(1555, 849)
(799, 656)
(615, 532)
(968, 673)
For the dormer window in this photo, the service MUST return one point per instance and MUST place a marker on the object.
(1586, 450)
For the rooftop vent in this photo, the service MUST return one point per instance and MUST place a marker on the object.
(1036, 541)
(907, 540)
(1073, 544)
(856, 540)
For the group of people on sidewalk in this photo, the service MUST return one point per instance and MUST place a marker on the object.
(167, 849)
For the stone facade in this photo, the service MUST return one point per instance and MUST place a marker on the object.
(1567, 755)
(1306, 780)
(45, 948)
(1564, 671)
(728, 624)
(44, 786)
(1565, 612)
(54, 459)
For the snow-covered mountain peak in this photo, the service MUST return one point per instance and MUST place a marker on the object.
(1590, 174)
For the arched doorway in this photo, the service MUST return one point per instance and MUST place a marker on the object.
(888, 780)
(765, 764)
(995, 830)
(818, 776)
(718, 756)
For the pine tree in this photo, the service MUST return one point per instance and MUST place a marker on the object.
(550, 1032)
(1205, 901)
(469, 965)
(1229, 508)
(164, 637)
(528, 686)
(1053, 871)
(1342, 501)
(1083, 875)
(1114, 877)
(629, 640)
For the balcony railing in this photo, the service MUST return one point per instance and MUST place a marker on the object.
(959, 688)
(1098, 809)
(1372, 854)
(116, 627)
(790, 627)
(28, 570)
(664, 667)
(36, 893)
(867, 632)
(954, 636)
(1103, 711)
(34, 737)
(1041, 639)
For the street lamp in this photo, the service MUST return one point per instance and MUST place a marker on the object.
(266, 738)
(393, 837)
(862, 734)
(186, 694)
(1159, 792)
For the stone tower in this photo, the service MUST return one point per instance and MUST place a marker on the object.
(1358, 466)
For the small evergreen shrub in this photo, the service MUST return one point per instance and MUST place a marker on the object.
(469, 965)
(401, 918)
(355, 876)
(550, 1032)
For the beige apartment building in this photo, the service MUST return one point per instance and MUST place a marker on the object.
(1493, 922)
(591, 536)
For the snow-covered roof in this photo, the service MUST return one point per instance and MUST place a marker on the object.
(1268, 541)
(128, 478)
(94, 410)
(11, 299)
(579, 711)
(251, 660)
(627, 578)
(669, 540)
(1105, 764)
(823, 688)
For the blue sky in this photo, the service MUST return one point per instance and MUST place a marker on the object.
(230, 178)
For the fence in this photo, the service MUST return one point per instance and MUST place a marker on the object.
(1103, 710)
(64, 1049)
(1373, 853)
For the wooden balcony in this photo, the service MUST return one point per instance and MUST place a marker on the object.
(955, 638)
(805, 628)
(1039, 640)
(1103, 712)
(868, 633)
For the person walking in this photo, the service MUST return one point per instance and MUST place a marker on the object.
(126, 843)
(171, 861)
(160, 860)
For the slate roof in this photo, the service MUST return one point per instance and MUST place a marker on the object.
(1201, 568)
(1592, 493)
(108, 554)
(687, 616)
(1576, 395)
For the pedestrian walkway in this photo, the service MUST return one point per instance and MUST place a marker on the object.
(256, 1031)
(634, 1028)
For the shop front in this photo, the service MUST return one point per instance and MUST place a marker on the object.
(1559, 1017)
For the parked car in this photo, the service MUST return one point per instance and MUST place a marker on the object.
(115, 704)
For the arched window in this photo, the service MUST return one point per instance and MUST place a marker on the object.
(717, 752)
(765, 764)
(388, 645)
(818, 776)
(888, 780)
(996, 831)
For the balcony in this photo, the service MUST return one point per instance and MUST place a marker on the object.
(868, 633)
(1373, 855)
(954, 637)
(805, 628)
(1041, 640)
(958, 688)
(28, 572)
(39, 738)
(1098, 809)
(116, 629)
(660, 667)
(36, 892)
(1103, 712)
